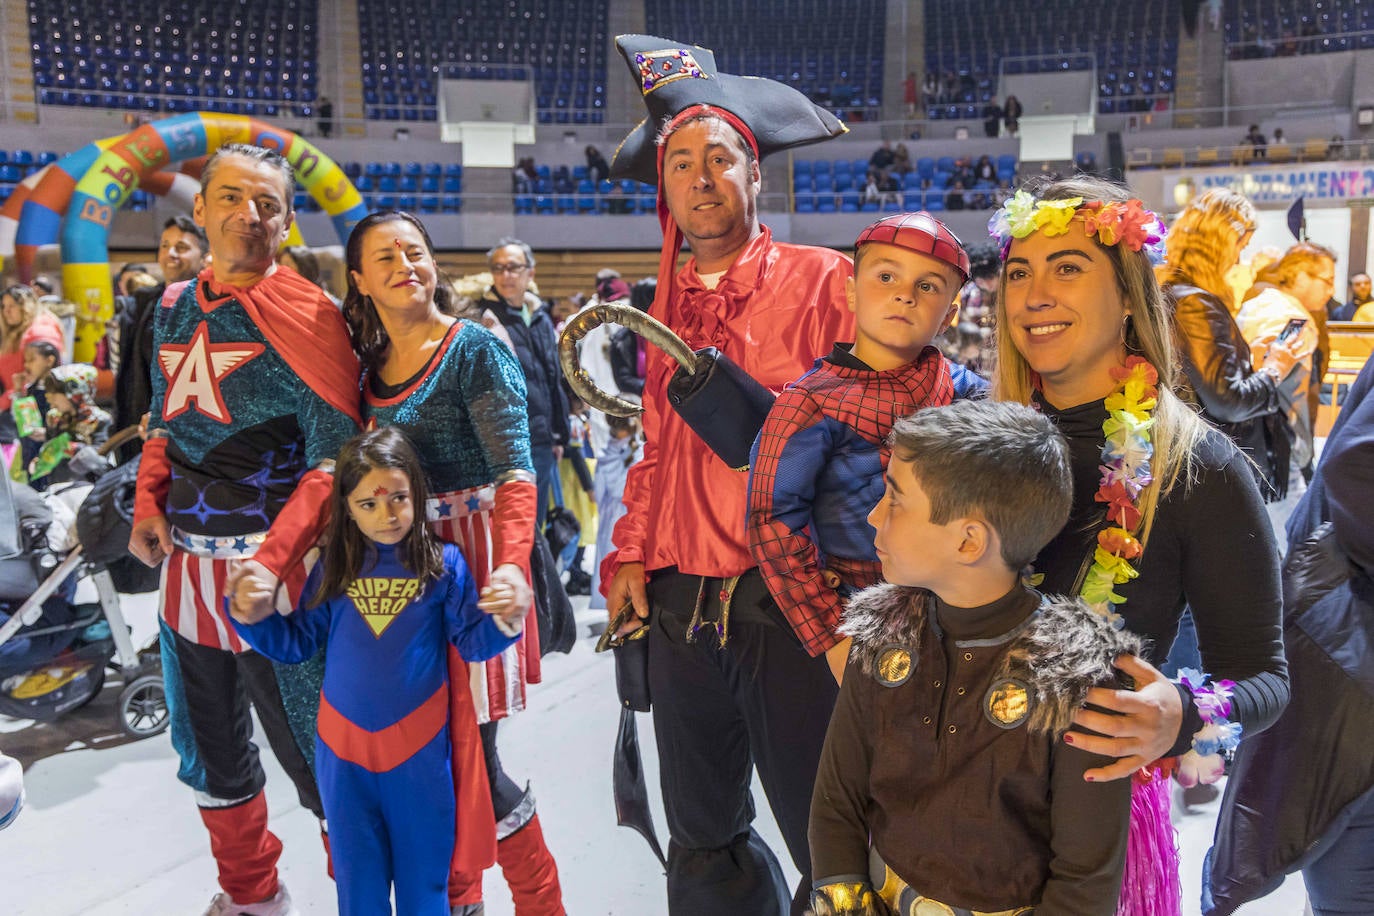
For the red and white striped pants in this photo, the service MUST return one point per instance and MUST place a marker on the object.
(463, 518)
(192, 595)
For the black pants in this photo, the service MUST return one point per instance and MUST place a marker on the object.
(505, 793)
(760, 701)
(217, 687)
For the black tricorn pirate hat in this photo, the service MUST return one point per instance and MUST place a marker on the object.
(675, 76)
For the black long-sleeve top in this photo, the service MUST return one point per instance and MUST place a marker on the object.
(1211, 548)
(625, 362)
(967, 811)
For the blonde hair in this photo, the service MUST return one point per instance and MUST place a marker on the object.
(140, 279)
(10, 335)
(1201, 242)
(1148, 333)
(1304, 257)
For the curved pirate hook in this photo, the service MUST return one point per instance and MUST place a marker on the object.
(651, 329)
(721, 403)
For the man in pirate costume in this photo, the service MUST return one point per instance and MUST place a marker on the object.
(944, 786)
(255, 388)
(731, 687)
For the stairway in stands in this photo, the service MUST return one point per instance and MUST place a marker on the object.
(16, 65)
(1201, 76)
(341, 66)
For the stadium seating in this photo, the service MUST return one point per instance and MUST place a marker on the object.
(1134, 45)
(822, 185)
(16, 165)
(1265, 28)
(833, 54)
(182, 55)
(408, 185)
(561, 44)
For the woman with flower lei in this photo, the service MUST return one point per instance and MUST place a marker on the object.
(1166, 510)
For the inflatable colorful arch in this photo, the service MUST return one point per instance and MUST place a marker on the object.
(73, 200)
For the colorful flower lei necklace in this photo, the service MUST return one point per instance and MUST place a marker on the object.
(1116, 222)
(1125, 467)
(1125, 470)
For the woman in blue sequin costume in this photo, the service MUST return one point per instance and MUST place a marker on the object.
(459, 394)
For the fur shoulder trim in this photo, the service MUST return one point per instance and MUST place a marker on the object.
(881, 616)
(1066, 651)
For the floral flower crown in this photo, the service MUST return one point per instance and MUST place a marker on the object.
(1113, 223)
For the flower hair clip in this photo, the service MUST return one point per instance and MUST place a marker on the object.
(1111, 222)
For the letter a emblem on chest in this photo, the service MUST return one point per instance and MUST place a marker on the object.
(194, 371)
(381, 600)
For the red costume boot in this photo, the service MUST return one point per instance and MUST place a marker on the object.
(244, 849)
(530, 871)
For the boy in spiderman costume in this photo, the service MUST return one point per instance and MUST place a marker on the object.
(255, 388)
(817, 466)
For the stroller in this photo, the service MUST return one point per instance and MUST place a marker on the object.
(55, 654)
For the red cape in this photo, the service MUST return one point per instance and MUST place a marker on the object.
(301, 323)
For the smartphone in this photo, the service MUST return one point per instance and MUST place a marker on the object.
(1293, 326)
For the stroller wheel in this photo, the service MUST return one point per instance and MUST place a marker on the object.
(143, 707)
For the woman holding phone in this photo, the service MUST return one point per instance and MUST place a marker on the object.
(1246, 403)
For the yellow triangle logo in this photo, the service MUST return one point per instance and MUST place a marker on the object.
(380, 600)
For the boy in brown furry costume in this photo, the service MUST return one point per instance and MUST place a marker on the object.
(944, 778)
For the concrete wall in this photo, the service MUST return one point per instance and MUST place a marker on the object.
(1320, 80)
(1052, 93)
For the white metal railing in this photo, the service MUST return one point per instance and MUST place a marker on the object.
(1299, 45)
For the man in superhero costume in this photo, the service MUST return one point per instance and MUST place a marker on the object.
(731, 687)
(255, 388)
(817, 467)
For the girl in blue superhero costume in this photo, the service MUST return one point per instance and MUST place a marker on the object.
(386, 599)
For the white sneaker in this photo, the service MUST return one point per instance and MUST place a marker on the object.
(280, 905)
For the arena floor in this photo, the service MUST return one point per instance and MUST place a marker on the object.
(108, 830)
